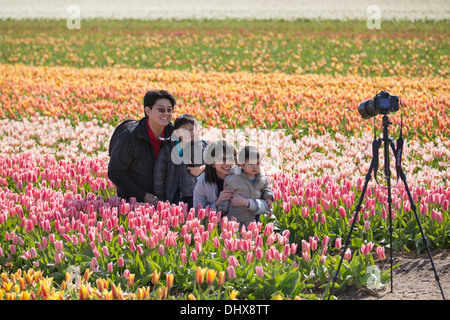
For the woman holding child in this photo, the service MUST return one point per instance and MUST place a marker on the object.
(222, 186)
(220, 157)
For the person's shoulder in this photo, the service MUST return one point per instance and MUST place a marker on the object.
(201, 178)
(235, 173)
(235, 170)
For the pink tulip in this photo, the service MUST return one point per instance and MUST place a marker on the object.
(305, 255)
(132, 246)
(259, 271)
(258, 241)
(232, 261)
(105, 251)
(57, 257)
(381, 253)
(325, 204)
(269, 255)
(313, 243)
(120, 262)
(342, 212)
(187, 239)
(445, 205)
(216, 242)
(58, 246)
(259, 253)
(223, 253)
(338, 243)
(109, 267)
(183, 258)
(161, 250)
(249, 258)
(364, 249)
(271, 239)
(439, 217)
(269, 229)
(231, 272)
(293, 248)
(96, 252)
(193, 255)
(305, 245)
(384, 213)
(305, 212)
(348, 254)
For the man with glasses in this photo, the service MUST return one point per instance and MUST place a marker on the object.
(131, 166)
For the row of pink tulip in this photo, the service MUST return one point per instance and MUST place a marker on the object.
(84, 147)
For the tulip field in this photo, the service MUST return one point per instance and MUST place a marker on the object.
(292, 88)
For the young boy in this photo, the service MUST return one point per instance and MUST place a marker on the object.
(180, 162)
(252, 194)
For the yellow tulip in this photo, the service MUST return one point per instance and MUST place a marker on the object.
(233, 295)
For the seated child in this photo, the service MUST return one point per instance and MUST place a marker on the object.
(247, 181)
(180, 162)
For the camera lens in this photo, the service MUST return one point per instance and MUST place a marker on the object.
(366, 109)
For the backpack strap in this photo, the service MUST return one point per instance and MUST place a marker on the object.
(135, 150)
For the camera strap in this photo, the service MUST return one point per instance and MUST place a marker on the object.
(376, 144)
(398, 150)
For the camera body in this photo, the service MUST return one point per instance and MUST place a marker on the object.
(383, 103)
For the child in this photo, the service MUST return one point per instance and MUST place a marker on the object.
(180, 162)
(248, 186)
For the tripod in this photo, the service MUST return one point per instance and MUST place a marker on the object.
(374, 167)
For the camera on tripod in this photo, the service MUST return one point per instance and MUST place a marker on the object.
(383, 103)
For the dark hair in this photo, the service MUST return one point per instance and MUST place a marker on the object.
(184, 119)
(215, 151)
(248, 153)
(152, 96)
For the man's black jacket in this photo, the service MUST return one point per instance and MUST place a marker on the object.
(131, 166)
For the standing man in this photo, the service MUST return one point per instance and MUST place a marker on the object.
(131, 166)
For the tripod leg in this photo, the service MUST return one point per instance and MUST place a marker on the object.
(387, 172)
(357, 210)
(414, 208)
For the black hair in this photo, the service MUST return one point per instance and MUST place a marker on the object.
(217, 151)
(184, 119)
(152, 96)
(248, 153)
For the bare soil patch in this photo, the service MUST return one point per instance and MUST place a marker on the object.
(413, 279)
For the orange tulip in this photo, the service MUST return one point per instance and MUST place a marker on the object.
(200, 275)
(169, 280)
(156, 276)
(210, 276)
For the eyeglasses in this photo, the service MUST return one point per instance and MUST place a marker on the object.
(225, 160)
(164, 110)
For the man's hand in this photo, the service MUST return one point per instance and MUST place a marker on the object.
(196, 171)
(151, 199)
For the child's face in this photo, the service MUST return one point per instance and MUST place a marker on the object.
(186, 132)
(251, 168)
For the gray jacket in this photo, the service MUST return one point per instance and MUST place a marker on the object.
(205, 194)
(238, 182)
(171, 171)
